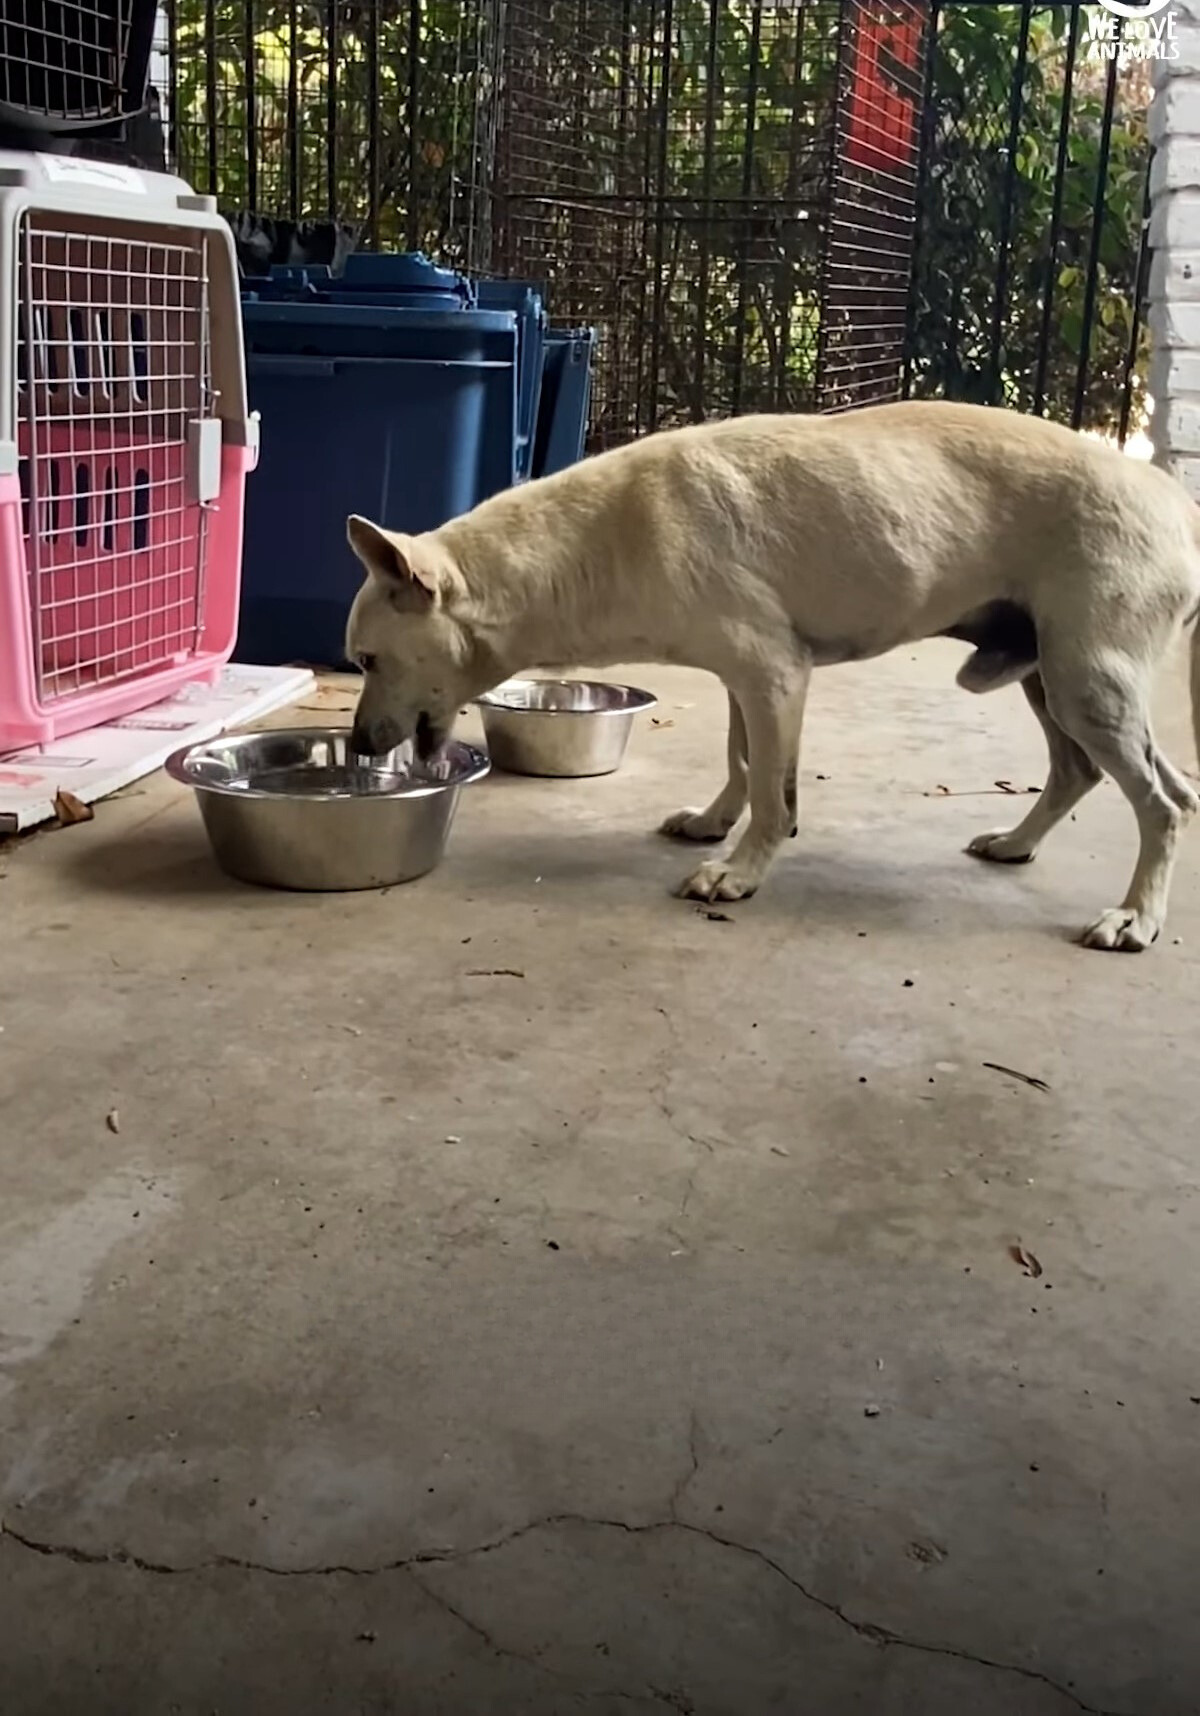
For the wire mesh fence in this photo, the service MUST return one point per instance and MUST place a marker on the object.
(730, 190)
(566, 195)
(727, 189)
(871, 221)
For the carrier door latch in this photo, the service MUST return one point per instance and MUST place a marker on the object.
(204, 460)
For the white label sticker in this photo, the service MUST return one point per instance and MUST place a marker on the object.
(103, 173)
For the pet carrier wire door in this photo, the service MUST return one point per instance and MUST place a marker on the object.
(116, 338)
(124, 443)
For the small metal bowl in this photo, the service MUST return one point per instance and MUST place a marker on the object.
(562, 727)
(296, 808)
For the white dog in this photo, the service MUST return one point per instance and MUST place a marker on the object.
(762, 547)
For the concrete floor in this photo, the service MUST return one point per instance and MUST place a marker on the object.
(636, 1333)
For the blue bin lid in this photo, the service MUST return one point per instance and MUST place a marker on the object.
(407, 280)
(404, 273)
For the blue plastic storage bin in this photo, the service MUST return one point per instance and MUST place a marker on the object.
(565, 398)
(527, 302)
(398, 410)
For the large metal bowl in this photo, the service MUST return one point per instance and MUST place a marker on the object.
(296, 809)
(561, 727)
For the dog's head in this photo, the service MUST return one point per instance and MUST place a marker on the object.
(418, 660)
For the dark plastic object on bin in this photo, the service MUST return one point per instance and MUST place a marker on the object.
(72, 65)
(369, 405)
(566, 395)
(528, 301)
(265, 244)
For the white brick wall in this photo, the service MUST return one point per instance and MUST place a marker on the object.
(1175, 240)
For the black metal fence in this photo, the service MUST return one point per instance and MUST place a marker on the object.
(761, 205)
(1031, 250)
(368, 113)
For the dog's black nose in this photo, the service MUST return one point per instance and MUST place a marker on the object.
(361, 743)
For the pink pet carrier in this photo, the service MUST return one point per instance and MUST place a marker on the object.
(124, 443)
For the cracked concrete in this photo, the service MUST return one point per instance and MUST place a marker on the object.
(429, 1345)
(841, 1687)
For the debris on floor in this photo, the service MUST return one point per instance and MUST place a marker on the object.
(70, 810)
(1005, 788)
(1013, 1072)
(1029, 1263)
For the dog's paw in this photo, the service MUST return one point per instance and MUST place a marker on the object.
(1122, 930)
(694, 825)
(718, 880)
(1001, 846)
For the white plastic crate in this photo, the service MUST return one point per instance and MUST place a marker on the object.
(124, 442)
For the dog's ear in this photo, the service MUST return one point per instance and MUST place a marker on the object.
(388, 556)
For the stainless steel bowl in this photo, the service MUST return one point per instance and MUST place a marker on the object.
(296, 809)
(563, 727)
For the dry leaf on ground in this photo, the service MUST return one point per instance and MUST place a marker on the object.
(70, 809)
(1026, 1259)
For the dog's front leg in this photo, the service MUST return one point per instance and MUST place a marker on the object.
(773, 716)
(715, 822)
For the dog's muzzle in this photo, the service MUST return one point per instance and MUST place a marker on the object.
(377, 739)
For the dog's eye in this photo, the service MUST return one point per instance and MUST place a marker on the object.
(366, 663)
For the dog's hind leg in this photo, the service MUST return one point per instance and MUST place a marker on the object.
(1102, 702)
(1072, 774)
(791, 795)
(773, 717)
(715, 822)
(1176, 785)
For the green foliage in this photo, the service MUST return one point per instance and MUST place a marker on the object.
(290, 42)
(963, 215)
